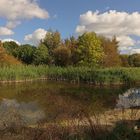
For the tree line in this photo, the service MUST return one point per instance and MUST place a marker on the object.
(89, 49)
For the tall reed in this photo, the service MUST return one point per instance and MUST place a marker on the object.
(72, 74)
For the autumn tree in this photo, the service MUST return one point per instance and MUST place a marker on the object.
(111, 55)
(124, 60)
(62, 56)
(52, 40)
(72, 44)
(89, 49)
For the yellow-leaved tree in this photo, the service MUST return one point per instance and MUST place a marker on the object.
(90, 50)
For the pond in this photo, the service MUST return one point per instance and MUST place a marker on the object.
(54, 101)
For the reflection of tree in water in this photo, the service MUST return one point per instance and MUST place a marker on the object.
(130, 99)
(16, 114)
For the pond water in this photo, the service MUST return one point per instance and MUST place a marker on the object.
(53, 101)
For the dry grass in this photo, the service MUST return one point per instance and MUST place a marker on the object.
(84, 127)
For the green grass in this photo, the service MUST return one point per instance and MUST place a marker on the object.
(75, 74)
(15, 73)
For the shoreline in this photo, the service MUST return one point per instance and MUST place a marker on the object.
(21, 81)
(115, 84)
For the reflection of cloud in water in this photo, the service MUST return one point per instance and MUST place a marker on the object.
(131, 98)
(11, 111)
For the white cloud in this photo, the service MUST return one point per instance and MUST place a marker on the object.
(5, 31)
(122, 24)
(130, 50)
(12, 24)
(133, 51)
(36, 36)
(126, 41)
(14, 11)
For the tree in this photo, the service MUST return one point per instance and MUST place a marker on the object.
(134, 60)
(111, 55)
(89, 49)
(62, 56)
(72, 44)
(25, 53)
(124, 60)
(52, 40)
(11, 47)
(5, 58)
(41, 55)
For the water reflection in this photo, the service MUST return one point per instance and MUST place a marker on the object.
(54, 101)
(12, 111)
(130, 99)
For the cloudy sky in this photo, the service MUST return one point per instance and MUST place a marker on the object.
(27, 21)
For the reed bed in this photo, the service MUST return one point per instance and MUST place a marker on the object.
(107, 76)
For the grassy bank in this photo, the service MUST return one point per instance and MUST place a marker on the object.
(72, 74)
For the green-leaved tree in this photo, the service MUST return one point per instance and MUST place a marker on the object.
(90, 50)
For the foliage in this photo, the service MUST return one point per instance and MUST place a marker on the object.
(62, 56)
(72, 44)
(111, 55)
(41, 55)
(123, 131)
(11, 47)
(25, 53)
(124, 60)
(52, 40)
(95, 76)
(6, 59)
(89, 48)
(88, 75)
(134, 60)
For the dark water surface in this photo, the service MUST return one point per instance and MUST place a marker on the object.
(53, 101)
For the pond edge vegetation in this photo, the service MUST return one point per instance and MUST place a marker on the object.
(89, 75)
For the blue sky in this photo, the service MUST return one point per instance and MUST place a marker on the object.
(64, 16)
